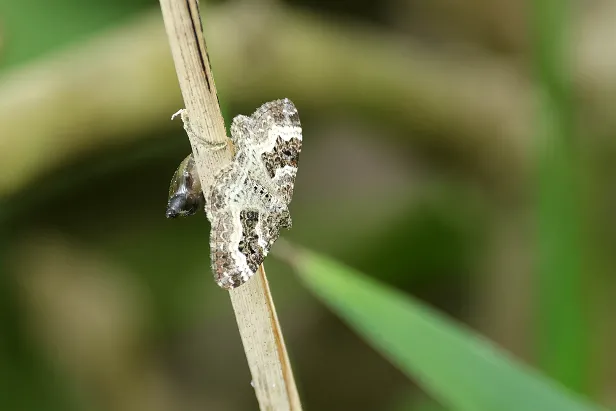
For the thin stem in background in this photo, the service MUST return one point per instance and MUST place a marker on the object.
(562, 326)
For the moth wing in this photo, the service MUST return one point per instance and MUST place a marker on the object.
(240, 240)
(281, 145)
(236, 247)
(247, 207)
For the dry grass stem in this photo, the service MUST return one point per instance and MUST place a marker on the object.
(254, 309)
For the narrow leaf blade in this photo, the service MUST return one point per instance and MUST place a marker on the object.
(458, 367)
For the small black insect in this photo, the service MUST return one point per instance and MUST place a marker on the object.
(185, 193)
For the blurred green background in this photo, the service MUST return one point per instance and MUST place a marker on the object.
(460, 151)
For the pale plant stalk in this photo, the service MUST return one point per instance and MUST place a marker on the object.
(256, 317)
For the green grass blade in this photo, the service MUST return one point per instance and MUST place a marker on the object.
(459, 368)
(562, 317)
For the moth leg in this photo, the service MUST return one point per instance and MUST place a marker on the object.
(193, 135)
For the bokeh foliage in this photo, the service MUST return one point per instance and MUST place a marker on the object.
(452, 150)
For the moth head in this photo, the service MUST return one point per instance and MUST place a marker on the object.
(241, 128)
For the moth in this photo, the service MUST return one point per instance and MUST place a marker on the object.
(248, 203)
